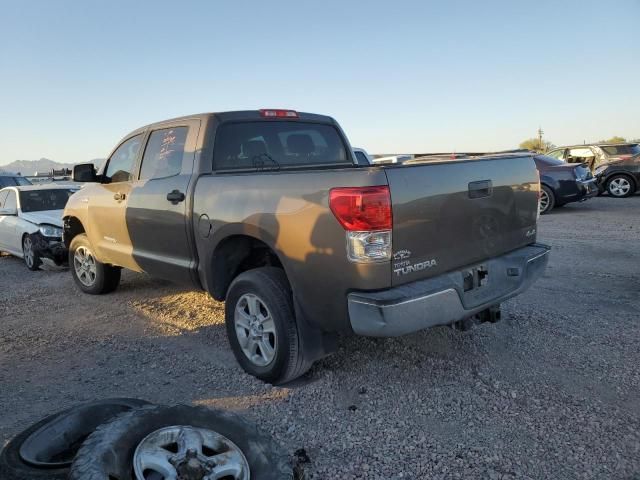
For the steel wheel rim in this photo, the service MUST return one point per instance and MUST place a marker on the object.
(27, 250)
(255, 330)
(84, 265)
(544, 201)
(188, 452)
(619, 186)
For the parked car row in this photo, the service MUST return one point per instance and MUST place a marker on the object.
(616, 167)
(567, 174)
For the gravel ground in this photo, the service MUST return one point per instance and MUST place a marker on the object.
(552, 391)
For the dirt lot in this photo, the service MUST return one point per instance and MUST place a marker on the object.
(553, 391)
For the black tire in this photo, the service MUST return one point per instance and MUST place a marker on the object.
(14, 467)
(31, 259)
(551, 203)
(108, 452)
(107, 277)
(271, 286)
(625, 179)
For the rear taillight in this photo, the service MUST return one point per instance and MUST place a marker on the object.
(365, 213)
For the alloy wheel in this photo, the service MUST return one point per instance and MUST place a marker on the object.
(189, 453)
(255, 329)
(27, 250)
(544, 201)
(84, 265)
(619, 187)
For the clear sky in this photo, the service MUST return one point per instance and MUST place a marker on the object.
(75, 76)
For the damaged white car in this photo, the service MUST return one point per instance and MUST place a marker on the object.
(31, 222)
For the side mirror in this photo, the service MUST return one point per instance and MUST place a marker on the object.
(9, 211)
(85, 172)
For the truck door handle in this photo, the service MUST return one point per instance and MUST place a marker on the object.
(119, 196)
(175, 196)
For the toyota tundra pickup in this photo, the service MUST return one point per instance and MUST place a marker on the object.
(270, 211)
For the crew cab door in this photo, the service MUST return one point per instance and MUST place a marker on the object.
(158, 209)
(107, 200)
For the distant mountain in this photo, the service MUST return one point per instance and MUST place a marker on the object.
(44, 165)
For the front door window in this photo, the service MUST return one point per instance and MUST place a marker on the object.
(121, 163)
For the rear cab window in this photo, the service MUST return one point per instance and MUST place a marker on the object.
(275, 145)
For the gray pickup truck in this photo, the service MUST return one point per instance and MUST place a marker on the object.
(270, 211)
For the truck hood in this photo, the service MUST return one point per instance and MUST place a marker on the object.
(50, 217)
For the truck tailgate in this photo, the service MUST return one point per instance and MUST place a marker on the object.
(452, 214)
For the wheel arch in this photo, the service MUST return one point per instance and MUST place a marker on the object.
(72, 226)
(235, 254)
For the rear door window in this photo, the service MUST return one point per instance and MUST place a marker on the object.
(122, 161)
(163, 155)
(278, 145)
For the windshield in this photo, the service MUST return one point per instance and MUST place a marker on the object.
(40, 200)
(21, 181)
(621, 149)
(12, 181)
(269, 145)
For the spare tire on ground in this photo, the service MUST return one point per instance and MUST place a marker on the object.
(159, 442)
(47, 448)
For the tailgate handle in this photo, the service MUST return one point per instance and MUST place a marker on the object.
(480, 189)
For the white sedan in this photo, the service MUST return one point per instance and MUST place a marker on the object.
(31, 222)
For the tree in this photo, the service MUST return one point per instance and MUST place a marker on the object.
(535, 145)
(614, 139)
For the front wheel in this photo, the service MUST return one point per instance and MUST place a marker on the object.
(90, 275)
(262, 328)
(31, 258)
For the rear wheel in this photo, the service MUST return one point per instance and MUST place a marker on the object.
(31, 258)
(262, 328)
(547, 200)
(90, 275)
(620, 186)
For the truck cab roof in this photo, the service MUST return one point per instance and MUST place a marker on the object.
(239, 115)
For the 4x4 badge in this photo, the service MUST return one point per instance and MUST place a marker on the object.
(402, 255)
